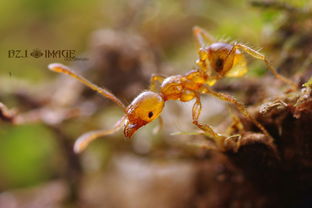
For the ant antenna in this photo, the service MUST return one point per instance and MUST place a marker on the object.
(84, 140)
(60, 68)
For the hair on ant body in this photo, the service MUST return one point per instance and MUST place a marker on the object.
(216, 61)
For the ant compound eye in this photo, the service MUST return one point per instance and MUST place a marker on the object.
(150, 114)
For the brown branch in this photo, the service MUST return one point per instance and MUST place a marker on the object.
(6, 114)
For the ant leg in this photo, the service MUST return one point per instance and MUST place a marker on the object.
(218, 138)
(155, 78)
(83, 141)
(201, 36)
(262, 57)
(240, 107)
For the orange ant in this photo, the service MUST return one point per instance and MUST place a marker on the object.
(215, 62)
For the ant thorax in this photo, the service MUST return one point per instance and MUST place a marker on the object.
(171, 88)
(182, 88)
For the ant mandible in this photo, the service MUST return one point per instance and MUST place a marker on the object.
(216, 61)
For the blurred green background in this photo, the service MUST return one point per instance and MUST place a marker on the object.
(29, 154)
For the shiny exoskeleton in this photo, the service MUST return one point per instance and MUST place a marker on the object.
(216, 61)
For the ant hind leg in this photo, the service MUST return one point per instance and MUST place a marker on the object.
(262, 57)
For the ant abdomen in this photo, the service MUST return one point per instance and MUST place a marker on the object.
(219, 57)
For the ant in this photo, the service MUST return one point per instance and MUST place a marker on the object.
(216, 61)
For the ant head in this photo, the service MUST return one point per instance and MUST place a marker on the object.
(145, 108)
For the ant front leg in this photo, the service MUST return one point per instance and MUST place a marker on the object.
(218, 138)
(262, 57)
(153, 81)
